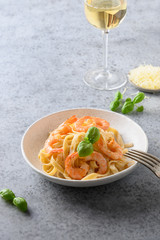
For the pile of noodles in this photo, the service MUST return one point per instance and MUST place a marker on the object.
(53, 163)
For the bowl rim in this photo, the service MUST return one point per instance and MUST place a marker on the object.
(132, 167)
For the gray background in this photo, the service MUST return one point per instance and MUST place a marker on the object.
(45, 49)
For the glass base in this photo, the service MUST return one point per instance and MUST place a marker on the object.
(104, 80)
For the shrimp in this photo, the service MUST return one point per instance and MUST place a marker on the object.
(65, 128)
(101, 123)
(62, 130)
(48, 146)
(82, 124)
(71, 120)
(100, 160)
(112, 150)
(76, 173)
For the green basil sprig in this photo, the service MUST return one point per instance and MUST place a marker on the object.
(117, 101)
(7, 194)
(138, 98)
(114, 105)
(118, 95)
(127, 105)
(140, 109)
(19, 202)
(93, 134)
(85, 148)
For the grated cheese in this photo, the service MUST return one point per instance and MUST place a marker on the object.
(146, 76)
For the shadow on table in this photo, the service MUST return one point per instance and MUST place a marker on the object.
(115, 198)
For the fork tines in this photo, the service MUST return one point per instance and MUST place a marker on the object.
(147, 159)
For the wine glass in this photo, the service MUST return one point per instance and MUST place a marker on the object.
(105, 15)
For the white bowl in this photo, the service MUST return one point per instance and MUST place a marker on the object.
(35, 136)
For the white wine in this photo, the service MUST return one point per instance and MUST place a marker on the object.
(105, 14)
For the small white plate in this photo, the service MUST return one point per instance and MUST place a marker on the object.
(144, 89)
(35, 136)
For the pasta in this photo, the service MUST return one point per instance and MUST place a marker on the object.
(59, 156)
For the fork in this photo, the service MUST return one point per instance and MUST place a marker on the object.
(147, 159)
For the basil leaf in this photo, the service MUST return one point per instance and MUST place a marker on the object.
(127, 107)
(139, 98)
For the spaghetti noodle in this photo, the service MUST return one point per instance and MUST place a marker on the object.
(59, 156)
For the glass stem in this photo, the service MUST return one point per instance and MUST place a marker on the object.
(105, 50)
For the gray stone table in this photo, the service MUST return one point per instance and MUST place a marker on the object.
(45, 49)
